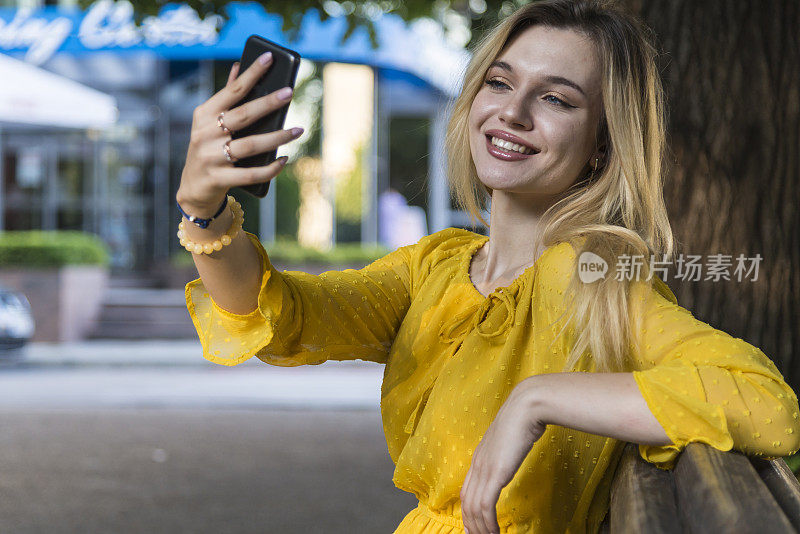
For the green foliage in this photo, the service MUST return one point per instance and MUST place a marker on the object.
(289, 251)
(348, 191)
(39, 248)
(793, 462)
(287, 203)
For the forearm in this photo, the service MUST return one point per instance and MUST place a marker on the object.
(232, 275)
(605, 404)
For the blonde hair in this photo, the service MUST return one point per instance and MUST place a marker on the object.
(615, 211)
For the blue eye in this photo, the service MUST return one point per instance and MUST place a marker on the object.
(560, 102)
(495, 83)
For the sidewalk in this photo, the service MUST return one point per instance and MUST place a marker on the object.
(136, 353)
(159, 373)
(116, 353)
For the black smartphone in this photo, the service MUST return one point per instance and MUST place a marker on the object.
(281, 73)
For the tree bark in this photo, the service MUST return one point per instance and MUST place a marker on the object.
(732, 74)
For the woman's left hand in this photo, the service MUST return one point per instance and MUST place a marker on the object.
(497, 458)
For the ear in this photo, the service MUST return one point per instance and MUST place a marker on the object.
(600, 152)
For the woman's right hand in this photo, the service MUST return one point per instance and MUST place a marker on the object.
(208, 175)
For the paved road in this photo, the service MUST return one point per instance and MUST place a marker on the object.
(107, 438)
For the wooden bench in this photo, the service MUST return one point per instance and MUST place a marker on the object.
(707, 491)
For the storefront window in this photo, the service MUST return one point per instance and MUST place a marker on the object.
(72, 174)
(23, 172)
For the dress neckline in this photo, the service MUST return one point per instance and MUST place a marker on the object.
(466, 263)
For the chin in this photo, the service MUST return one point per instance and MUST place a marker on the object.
(527, 187)
(501, 185)
(498, 180)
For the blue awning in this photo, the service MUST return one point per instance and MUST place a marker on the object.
(418, 49)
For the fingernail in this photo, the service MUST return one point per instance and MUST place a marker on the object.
(264, 58)
(282, 160)
(284, 93)
(297, 131)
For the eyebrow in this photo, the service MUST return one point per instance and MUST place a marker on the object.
(549, 77)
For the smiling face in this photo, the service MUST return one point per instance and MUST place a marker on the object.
(523, 97)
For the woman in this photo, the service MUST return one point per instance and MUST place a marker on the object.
(511, 385)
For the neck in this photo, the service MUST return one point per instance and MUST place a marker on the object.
(516, 221)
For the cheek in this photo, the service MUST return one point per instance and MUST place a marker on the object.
(571, 136)
(480, 110)
(585, 127)
(473, 118)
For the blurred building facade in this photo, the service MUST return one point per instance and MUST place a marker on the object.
(119, 181)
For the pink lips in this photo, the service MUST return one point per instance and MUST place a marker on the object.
(505, 155)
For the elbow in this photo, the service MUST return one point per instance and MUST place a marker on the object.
(789, 443)
(783, 448)
(783, 440)
(780, 433)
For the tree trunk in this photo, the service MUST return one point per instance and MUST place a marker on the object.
(732, 74)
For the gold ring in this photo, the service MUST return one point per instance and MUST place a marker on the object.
(222, 125)
(226, 148)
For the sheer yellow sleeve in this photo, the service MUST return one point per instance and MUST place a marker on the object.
(704, 385)
(308, 319)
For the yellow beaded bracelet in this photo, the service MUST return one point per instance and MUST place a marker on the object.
(226, 239)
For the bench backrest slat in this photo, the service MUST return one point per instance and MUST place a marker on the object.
(783, 485)
(707, 491)
(721, 492)
(642, 497)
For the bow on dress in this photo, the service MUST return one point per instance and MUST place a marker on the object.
(458, 327)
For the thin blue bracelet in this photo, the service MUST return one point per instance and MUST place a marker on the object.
(203, 223)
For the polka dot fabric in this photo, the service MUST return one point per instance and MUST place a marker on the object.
(453, 355)
(704, 385)
(308, 319)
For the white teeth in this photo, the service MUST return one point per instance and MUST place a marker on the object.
(511, 146)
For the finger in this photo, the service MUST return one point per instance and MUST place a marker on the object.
(233, 93)
(489, 508)
(233, 73)
(465, 516)
(258, 144)
(247, 113)
(482, 505)
(474, 521)
(235, 176)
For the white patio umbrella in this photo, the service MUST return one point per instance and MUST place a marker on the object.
(30, 95)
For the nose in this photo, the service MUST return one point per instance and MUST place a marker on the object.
(517, 112)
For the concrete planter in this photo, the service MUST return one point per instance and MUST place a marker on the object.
(65, 301)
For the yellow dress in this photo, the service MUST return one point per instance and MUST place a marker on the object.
(452, 356)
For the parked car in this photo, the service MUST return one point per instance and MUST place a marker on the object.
(16, 323)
